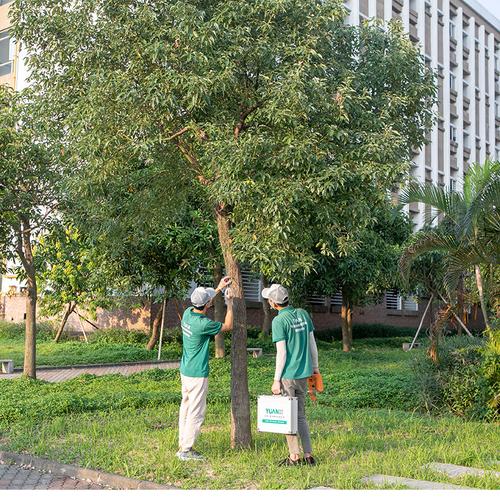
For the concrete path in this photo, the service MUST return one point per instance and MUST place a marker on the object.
(452, 470)
(17, 477)
(53, 374)
(413, 484)
(26, 472)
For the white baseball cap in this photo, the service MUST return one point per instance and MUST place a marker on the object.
(277, 293)
(201, 296)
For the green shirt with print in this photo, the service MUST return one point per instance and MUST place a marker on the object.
(293, 326)
(197, 330)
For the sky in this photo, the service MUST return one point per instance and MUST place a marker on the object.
(492, 5)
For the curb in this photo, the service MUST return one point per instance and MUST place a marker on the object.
(104, 478)
(103, 365)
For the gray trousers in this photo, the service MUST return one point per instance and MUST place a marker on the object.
(298, 388)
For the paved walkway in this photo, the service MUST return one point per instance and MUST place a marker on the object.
(61, 374)
(19, 477)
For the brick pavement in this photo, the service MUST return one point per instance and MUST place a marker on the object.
(22, 477)
(61, 374)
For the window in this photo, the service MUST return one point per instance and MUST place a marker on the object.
(452, 29)
(396, 302)
(453, 80)
(453, 133)
(497, 109)
(453, 184)
(5, 53)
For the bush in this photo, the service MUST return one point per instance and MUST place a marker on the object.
(15, 331)
(362, 331)
(118, 336)
(465, 381)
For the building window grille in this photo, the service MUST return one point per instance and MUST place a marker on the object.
(453, 184)
(396, 302)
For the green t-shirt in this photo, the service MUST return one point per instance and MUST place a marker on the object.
(197, 330)
(293, 326)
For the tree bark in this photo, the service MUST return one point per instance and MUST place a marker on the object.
(433, 352)
(480, 289)
(219, 312)
(461, 306)
(155, 331)
(241, 435)
(266, 322)
(346, 317)
(67, 314)
(25, 253)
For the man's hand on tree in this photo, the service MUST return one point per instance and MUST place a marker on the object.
(224, 282)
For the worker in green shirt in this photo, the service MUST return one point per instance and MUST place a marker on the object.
(197, 330)
(296, 360)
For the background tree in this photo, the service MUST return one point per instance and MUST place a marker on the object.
(468, 234)
(28, 198)
(72, 273)
(275, 113)
(363, 274)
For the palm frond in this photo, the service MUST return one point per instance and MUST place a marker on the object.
(478, 176)
(450, 203)
(425, 242)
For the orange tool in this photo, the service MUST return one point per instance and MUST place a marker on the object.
(315, 384)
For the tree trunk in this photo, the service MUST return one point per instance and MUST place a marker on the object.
(479, 283)
(219, 313)
(461, 307)
(67, 314)
(25, 253)
(241, 435)
(155, 331)
(266, 322)
(433, 336)
(346, 316)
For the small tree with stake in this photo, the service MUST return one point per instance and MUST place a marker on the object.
(28, 199)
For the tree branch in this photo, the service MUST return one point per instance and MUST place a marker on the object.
(243, 116)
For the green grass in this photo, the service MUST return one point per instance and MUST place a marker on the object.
(112, 346)
(366, 422)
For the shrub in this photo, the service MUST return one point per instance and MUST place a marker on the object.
(465, 381)
(15, 331)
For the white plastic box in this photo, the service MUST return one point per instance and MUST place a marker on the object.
(277, 414)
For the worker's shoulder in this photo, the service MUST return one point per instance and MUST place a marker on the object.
(302, 312)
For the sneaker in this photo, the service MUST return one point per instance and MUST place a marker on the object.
(189, 455)
(288, 462)
(309, 461)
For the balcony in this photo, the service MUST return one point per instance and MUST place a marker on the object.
(466, 68)
(466, 153)
(497, 88)
(497, 133)
(453, 147)
(413, 17)
(466, 118)
(453, 110)
(466, 52)
(397, 6)
(413, 207)
(453, 163)
(414, 34)
(453, 95)
(415, 151)
(453, 43)
(466, 102)
(453, 59)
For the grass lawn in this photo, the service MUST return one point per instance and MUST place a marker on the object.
(366, 422)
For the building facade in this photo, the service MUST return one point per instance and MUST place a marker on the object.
(460, 41)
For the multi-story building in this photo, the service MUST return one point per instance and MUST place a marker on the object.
(460, 41)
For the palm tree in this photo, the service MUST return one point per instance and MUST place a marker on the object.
(468, 233)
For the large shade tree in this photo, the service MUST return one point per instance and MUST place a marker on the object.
(277, 114)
